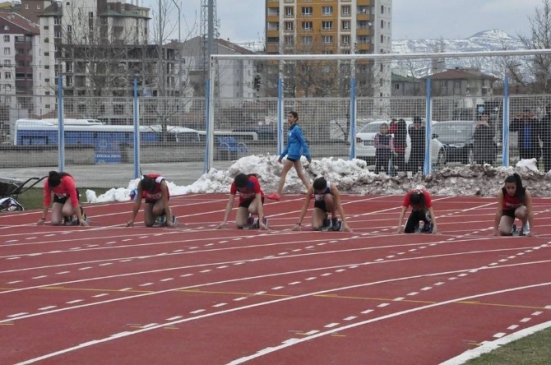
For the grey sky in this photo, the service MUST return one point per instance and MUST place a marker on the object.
(242, 20)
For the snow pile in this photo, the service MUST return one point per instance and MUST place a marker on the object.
(353, 177)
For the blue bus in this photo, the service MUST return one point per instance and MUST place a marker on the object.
(45, 133)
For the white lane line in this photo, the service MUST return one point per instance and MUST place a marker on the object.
(75, 301)
(47, 308)
(99, 295)
(175, 318)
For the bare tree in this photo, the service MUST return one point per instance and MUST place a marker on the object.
(539, 38)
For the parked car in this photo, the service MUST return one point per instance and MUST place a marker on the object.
(264, 132)
(457, 138)
(365, 148)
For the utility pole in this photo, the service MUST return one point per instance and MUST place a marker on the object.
(179, 48)
(161, 77)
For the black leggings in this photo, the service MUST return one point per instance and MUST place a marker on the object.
(413, 220)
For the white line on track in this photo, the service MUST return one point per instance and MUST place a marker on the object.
(268, 350)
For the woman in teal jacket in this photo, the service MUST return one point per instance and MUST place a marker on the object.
(296, 147)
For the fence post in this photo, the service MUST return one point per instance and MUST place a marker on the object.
(352, 116)
(209, 145)
(427, 167)
(136, 116)
(280, 115)
(60, 125)
(505, 124)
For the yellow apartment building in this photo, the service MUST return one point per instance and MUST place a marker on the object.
(334, 27)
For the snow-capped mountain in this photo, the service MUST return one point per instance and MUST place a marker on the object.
(488, 40)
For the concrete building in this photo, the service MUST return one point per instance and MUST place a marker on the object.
(335, 27)
(18, 70)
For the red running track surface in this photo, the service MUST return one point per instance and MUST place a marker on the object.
(198, 295)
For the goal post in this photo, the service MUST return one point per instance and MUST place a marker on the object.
(337, 95)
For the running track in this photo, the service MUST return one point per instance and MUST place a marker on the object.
(106, 294)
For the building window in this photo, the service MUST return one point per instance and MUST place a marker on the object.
(327, 39)
(345, 40)
(289, 11)
(307, 40)
(382, 9)
(289, 40)
(306, 10)
(6, 51)
(363, 24)
(306, 25)
(7, 75)
(57, 21)
(6, 38)
(346, 24)
(397, 86)
(327, 10)
(345, 10)
(288, 25)
(7, 63)
(46, 53)
(382, 24)
(47, 106)
(90, 14)
(382, 38)
(326, 25)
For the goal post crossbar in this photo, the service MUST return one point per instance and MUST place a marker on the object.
(381, 57)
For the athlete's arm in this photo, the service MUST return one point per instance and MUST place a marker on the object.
(137, 205)
(229, 207)
(164, 198)
(260, 210)
(309, 193)
(433, 220)
(337, 197)
(528, 200)
(499, 212)
(400, 226)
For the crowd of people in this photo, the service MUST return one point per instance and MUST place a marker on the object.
(513, 199)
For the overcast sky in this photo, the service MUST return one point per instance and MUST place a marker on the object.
(242, 20)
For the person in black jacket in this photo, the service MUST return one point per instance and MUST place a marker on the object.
(383, 149)
(484, 148)
(417, 136)
(527, 126)
(400, 145)
(545, 137)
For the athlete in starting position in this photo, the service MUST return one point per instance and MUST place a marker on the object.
(327, 200)
(251, 200)
(513, 201)
(154, 189)
(421, 211)
(62, 186)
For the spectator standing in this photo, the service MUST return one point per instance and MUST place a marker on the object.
(383, 149)
(545, 137)
(527, 126)
(417, 136)
(484, 148)
(400, 144)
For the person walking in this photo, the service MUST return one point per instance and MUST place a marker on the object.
(296, 147)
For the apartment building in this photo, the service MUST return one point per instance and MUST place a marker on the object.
(17, 69)
(335, 27)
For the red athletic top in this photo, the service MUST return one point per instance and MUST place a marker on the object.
(155, 194)
(66, 188)
(511, 202)
(248, 192)
(428, 200)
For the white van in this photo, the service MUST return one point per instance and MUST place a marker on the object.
(365, 148)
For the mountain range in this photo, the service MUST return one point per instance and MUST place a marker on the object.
(487, 40)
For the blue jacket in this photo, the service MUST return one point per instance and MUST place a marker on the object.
(296, 144)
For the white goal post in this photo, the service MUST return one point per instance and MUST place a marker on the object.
(263, 82)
